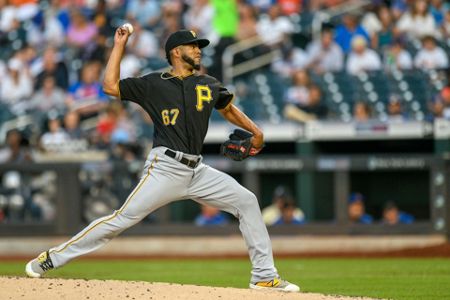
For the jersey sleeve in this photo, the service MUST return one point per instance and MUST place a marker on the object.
(225, 98)
(133, 89)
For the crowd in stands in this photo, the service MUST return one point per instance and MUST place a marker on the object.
(53, 54)
(391, 36)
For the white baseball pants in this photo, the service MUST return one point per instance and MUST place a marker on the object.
(166, 180)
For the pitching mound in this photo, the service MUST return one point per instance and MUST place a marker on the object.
(36, 289)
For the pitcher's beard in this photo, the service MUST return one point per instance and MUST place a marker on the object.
(191, 62)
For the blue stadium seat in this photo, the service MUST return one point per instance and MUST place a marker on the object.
(260, 95)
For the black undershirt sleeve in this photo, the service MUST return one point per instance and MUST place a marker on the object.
(225, 98)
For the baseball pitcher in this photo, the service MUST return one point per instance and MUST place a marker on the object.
(180, 103)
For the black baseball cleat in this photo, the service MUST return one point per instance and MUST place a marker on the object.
(37, 267)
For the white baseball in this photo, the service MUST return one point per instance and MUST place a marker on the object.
(129, 27)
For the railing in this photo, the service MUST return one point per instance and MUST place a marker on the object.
(230, 71)
(17, 123)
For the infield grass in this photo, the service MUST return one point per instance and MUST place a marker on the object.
(403, 279)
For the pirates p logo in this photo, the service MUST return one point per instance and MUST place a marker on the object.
(203, 95)
(193, 33)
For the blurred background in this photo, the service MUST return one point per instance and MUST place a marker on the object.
(353, 98)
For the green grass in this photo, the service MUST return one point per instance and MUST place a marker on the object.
(406, 279)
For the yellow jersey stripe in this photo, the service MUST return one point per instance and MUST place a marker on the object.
(118, 90)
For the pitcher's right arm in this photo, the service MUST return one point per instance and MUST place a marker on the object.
(112, 71)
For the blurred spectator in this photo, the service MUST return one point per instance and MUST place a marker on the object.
(81, 31)
(125, 130)
(298, 92)
(60, 10)
(399, 7)
(392, 215)
(102, 16)
(56, 137)
(261, 6)
(446, 25)
(437, 10)
(28, 56)
(323, 4)
(436, 109)
(348, 30)
(143, 43)
(280, 27)
(357, 210)
(361, 58)
(313, 109)
(16, 148)
(225, 23)
(52, 65)
(49, 96)
(247, 22)
(97, 50)
(7, 17)
(430, 56)
(290, 7)
(291, 60)
(107, 123)
(272, 213)
(87, 96)
(371, 19)
(288, 215)
(247, 28)
(72, 125)
(395, 110)
(361, 112)
(130, 66)
(25, 9)
(199, 17)
(47, 30)
(3, 69)
(12, 34)
(441, 105)
(383, 35)
(325, 55)
(397, 58)
(417, 22)
(17, 84)
(170, 22)
(210, 216)
(115, 126)
(145, 12)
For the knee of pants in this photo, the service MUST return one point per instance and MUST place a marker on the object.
(247, 200)
(124, 221)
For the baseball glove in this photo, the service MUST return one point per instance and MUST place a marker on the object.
(239, 145)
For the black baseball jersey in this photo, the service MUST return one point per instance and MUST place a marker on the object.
(179, 107)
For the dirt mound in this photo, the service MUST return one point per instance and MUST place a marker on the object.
(36, 289)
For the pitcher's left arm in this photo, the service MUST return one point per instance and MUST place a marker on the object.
(233, 115)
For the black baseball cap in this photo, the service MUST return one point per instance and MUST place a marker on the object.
(183, 37)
